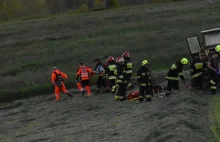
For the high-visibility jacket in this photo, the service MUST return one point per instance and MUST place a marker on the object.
(144, 76)
(110, 70)
(197, 68)
(175, 71)
(128, 65)
(84, 73)
(58, 76)
(120, 73)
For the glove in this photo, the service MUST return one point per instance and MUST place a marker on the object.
(76, 81)
(216, 72)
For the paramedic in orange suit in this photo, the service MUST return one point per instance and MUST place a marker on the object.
(83, 74)
(57, 79)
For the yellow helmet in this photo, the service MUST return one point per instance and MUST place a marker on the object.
(217, 48)
(184, 61)
(145, 62)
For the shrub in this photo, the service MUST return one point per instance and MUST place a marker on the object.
(113, 3)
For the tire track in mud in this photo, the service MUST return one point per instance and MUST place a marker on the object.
(181, 117)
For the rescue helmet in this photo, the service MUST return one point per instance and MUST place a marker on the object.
(54, 68)
(125, 54)
(184, 61)
(119, 60)
(145, 62)
(110, 58)
(217, 48)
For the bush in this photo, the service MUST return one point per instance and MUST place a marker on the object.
(113, 3)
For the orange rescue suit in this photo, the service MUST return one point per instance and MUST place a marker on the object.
(56, 74)
(84, 73)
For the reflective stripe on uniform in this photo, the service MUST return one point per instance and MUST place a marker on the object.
(141, 97)
(212, 82)
(197, 75)
(180, 73)
(121, 76)
(143, 84)
(122, 97)
(129, 71)
(213, 87)
(112, 77)
(172, 78)
(120, 81)
(138, 77)
(129, 65)
(148, 96)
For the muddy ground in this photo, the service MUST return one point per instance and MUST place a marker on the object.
(182, 117)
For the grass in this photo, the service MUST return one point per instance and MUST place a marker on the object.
(216, 118)
(29, 49)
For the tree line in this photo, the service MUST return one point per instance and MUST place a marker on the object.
(15, 9)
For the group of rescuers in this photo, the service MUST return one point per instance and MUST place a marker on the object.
(115, 76)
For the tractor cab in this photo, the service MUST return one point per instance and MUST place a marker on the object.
(204, 49)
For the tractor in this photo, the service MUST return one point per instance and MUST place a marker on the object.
(205, 47)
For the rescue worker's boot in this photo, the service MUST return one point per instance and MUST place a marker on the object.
(167, 93)
(57, 97)
(83, 92)
(117, 98)
(88, 91)
(122, 98)
(141, 98)
(70, 95)
(97, 91)
(148, 98)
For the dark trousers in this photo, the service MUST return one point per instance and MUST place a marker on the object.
(145, 92)
(85, 82)
(111, 82)
(121, 91)
(101, 82)
(129, 77)
(172, 84)
(198, 82)
(128, 80)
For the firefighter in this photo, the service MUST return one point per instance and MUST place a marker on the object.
(196, 71)
(110, 71)
(121, 79)
(173, 75)
(57, 79)
(100, 71)
(83, 74)
(144, 82)
(128, 68)
(214, 66)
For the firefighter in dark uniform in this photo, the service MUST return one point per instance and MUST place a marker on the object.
(121, 80)
(196, 71)
(128, 68)
(214, 66)
(110, 71)
(144, 81)
(100, 71)
(173, 75)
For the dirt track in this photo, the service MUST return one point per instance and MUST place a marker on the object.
(181, 117)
